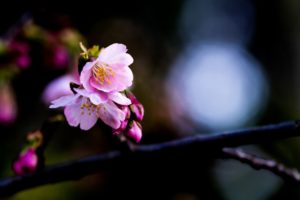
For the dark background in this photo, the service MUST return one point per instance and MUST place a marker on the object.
(152, 32)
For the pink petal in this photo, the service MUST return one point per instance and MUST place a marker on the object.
(86, 74)
(105, 87)
(122, 80)
(76, 115)
(96, 97)
(72, 113)
(119, 98)
(64, 101)
(121, 60)
(111, 51)
(110, 114)
(88, 120)
(82, 92)
(59, 87)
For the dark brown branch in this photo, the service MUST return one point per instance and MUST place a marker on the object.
(258, 163)
(198, 144)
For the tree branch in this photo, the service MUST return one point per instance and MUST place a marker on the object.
(257, 163)
(174, 150)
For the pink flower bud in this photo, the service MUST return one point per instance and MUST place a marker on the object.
(135, 131)
(26, 163)
(136, 107)
(126, 111)
(122, 128)
(123, 125)
(138, 111)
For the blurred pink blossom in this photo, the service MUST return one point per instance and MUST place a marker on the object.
(26, 163)
(8, 107)
(60, 57)
(20, 50)
(23, 61)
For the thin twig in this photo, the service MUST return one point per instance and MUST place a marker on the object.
(257, 163)
(198, 144)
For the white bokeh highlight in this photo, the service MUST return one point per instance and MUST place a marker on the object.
(218, 85)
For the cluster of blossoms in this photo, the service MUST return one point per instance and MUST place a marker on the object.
(14, 56)
(102, 93)
(27, 161)
(57, 50)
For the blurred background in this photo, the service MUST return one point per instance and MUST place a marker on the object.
(200, 67)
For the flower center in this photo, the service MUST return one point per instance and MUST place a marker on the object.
(89, 108)
(103, 73)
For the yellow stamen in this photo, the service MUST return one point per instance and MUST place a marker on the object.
(89, 108)
(103, 73)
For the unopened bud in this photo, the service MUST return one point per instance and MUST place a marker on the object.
(26, 163)
(136, 107)
(135, 131)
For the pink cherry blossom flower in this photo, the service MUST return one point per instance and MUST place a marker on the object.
(135, 131)
(110, 71)
(84, 108)
(26, 163)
